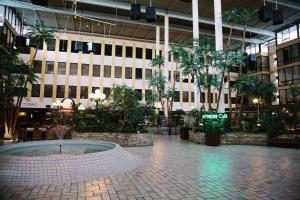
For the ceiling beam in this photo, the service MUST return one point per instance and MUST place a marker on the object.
(110, 17)
(172, 14)
(286, 3)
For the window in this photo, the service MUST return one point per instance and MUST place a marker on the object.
(280, 57)
(48, 91)
(84, 70)
(37, 66)
(128, 52)
(73, 46)
(296, 74)
(281, 77)
(118, 72)
(72, 91)
(202, 99)
(139, 94)
(60, 91)
(177, 76)
(96, 70)
(185, 96)
(107, 71)
(98, 48)
(51, 45)
(138, 73)
(282, 96)
(226, 98)
(61, 68)
(289, 74)
(185, 79)
(128, 72)
(148, 74)
(49, 67)
(73, 69)
(63, 45)
(149, 54)
(118, 51)
(176, 96)
(265, 63)
(295, 53)
(106, 91)
(286, 55)
(85, 48)
(287, 35)
(192, 97)
(108, 49)
(139, 53)
(83, 92)
(35, 90)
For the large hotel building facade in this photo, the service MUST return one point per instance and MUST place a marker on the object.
(65, 73)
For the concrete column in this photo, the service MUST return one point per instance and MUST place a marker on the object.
(166, 58)
(157, 44)
(219, 41)
(196, 37)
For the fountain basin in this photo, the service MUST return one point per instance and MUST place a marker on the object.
(66, 167)
(47, 148)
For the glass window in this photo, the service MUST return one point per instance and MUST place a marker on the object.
(279, 38)
(63, 45)
(106, 91)
(51, 45)
(96, 70)
(72, 91)
(295, 53)
(139, 53)
(226, 98)
(185, 96)
(60, 91)
(84, 69)
(49, 67)
(280, 57)
(83, 92)
(61, 68)
(290, 96)
(192, 97)
(293, 32)
(107, 71)
(2, 8)
(48, 91)
(108, 49)
(118, 72)
(37, 66)
(176, 96)
(139, 94)
(98, 48)
(177, 76)
(281, 77)
(149, 54)
(138, 73)
(118, 51)
(296, 74)
(148, 74)
(35, 90)
(73, 69)
(289, 74)
(128, 72)
(265, 62)
(286, 55)
(128, 52)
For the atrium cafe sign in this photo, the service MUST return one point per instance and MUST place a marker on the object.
(215, 116)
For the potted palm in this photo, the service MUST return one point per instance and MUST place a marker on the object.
(213, 130)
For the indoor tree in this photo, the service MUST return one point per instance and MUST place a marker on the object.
(14, 76)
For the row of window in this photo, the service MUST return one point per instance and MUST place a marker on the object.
(287, 97)
(288, 34)
(290, 75)
(95, 71)
(288, 55)
(261, 64)
(63, 46)
(60, 92)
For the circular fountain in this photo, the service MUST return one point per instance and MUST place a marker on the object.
(42, 162)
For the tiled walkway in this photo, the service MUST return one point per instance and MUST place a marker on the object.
(175, 169)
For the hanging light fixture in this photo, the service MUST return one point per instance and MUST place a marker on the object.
(265, 13)
(150, 13)
(135, 12)
(277, 16)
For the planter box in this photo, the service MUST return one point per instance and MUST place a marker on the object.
(184, 133)
(212, 139)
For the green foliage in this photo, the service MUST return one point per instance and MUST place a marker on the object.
(255, 87)
(275, 120)
(238, 15)
(157, 61)
(39, 33)
(123, 113)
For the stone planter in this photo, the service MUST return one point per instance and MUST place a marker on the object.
(123, 139)
(212, 139)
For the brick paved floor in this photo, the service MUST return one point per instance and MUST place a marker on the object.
(175, 169)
